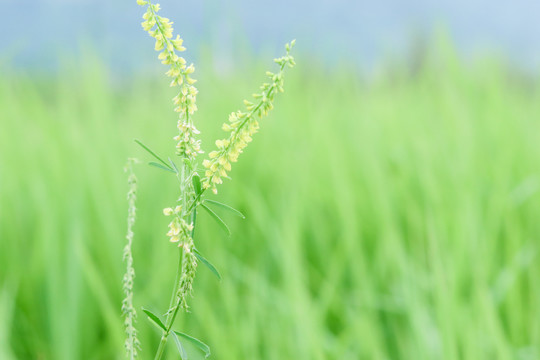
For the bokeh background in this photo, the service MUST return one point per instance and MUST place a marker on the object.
(391, 197)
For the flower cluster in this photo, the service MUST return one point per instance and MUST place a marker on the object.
(243, 124)
(180, 232)
(179, 229)
(189, 267)
(160, 28)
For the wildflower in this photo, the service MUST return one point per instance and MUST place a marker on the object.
(243, 125)
(160, 28)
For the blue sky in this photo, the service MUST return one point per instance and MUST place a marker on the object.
(36, 32)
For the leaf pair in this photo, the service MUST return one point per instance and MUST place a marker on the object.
(221, 223)
(176, 334)
(162, 164)
(216, 217)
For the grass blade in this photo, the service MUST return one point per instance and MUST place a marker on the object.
(216, 217)
(156, 320)
(208, 264)
(226, 207)
(153, 153)
(198, 343)
(159, 166)
(181, 350)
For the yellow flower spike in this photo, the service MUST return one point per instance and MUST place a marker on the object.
(160, 28)
(243, 125)
(167, 211)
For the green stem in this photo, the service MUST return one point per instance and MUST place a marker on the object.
(172, 314)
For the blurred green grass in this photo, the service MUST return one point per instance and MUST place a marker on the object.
(395, 217)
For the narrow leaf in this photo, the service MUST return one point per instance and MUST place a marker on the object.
(217, 218)
(173, 165)
(198, 343)
(197, 184)
(181, 350)
(155, 319)
(226, 207)
(152, 153)
(208, 264)
(158, 165)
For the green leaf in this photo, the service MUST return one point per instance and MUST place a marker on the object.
(155, 319)
(158, 165)
(153, 154)
(173, 165)
(181, 350)
(226, 207)
(198, 343)
(217, 218)
(197, 184)
(208, 264)
(188, 163)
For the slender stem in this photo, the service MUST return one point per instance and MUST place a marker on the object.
(177, 280)
(172, 314)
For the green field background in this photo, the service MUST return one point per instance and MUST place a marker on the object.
(394, 215)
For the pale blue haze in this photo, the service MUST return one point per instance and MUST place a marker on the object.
(35, 32)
